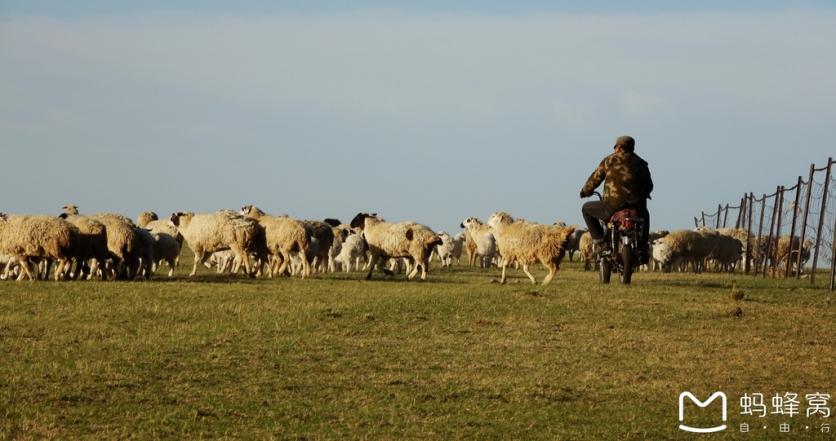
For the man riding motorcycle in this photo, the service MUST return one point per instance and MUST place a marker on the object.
(628, 185)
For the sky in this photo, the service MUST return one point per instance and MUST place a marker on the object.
(426, 111)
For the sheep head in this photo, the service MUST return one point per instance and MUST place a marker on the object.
(359, 221)
(70, 209)
(471, 221)
(500, 217)
(178, 218)
(145, 217)
(252, 211)
(332, 222)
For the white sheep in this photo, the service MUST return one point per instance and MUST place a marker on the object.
(397, 240)
(284, 237)
(450, 248)
(483, 239)
(353, 249)
(206, 233)
(528, 243)
(44, 238)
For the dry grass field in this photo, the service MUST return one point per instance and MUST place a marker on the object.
(456, 357)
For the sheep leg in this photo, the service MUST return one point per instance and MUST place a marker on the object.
(527, 273)
(199, 258)
(245, 259)
(307, 271)
(171, 264)
(24, 263)
(552, 272)
(60, 269)
(372, 262)
(282, 261)
(502, 279)
(414, 271)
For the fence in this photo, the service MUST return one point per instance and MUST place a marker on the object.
(786, 228)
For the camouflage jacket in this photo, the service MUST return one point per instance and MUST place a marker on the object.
(628, 180)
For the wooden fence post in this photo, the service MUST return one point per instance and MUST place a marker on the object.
(749, 233)
(760, 233)
(726, 216)
(696, 222)
(833, 260)
(703, 218)
(717, 221)
(804, 218)
(768, 252)
(779, 200)
(822, 212)
(792, 227)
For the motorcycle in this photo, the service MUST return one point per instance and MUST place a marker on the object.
(623, 234)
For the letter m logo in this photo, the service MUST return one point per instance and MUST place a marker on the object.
(702, 404)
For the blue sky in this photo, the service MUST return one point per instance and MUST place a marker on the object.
(80, 7)
(427, 111)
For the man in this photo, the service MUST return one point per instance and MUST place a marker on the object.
(628, 185)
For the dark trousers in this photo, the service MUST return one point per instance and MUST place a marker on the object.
(595, 210)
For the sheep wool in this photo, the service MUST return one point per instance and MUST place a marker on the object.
(397, 240)
(528, 243)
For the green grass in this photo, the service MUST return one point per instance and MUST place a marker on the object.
(454, 357)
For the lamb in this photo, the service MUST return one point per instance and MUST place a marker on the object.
(450, 248)
(396, 240)
(284, 237)
(352, 250)
(36, 237)
(341, 232)
(483, 240)
(206, 233)
(222, 261)
(528, 243)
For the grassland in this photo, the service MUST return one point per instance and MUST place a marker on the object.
(451, 358)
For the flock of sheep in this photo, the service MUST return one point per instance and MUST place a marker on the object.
(105, 246)
(723, 249)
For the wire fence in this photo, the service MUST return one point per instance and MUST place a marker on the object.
(788, 232)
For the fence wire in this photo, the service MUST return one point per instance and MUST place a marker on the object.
(781, 216)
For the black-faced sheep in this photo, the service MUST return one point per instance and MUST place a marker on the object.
(397, 240)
